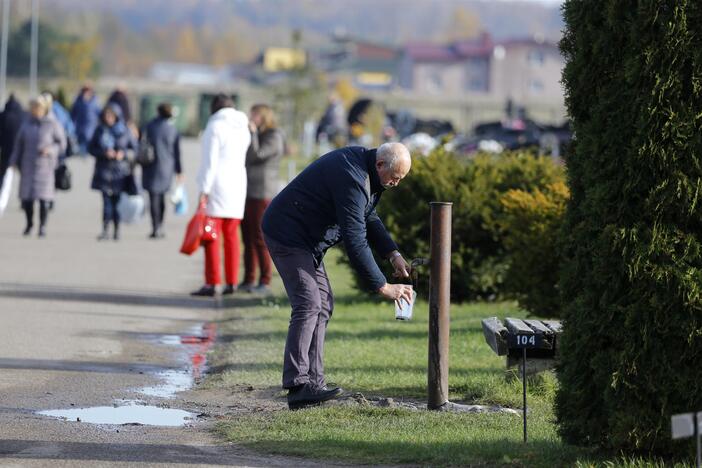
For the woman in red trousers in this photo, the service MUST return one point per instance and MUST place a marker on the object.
(262, 165)
(222, 183)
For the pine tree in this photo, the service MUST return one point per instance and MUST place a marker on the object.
(632, 278)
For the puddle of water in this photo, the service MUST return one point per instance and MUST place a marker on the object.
(175, 381)
(193, 347)
(170, 340)
(128, 414)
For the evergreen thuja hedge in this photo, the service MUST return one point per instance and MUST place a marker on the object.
(480, 260)
(632, 276)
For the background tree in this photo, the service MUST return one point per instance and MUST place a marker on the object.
(19, 45)
(631, 282)
(187, 47)
(302, 94)
(464, 24)
(76, 58)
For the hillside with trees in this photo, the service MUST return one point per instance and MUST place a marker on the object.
(126, 37)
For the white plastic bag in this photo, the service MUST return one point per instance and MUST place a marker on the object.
(178, 194)
(179, 198)
(130, 208)
(403, 309)
(6, 189)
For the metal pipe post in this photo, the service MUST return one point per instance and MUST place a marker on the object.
(3, 50)
(34, 51)
(439, 304)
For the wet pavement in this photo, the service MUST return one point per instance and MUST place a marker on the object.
(101, 348)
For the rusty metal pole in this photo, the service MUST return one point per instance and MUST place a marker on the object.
(439, 304)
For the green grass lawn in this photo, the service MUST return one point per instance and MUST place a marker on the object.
(368, 351)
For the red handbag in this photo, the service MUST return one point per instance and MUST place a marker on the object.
(209, 230)
(194, 231)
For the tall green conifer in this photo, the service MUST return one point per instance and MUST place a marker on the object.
(632, 279)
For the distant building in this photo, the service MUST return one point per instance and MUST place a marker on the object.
(447, 69)
(278, 59)
(526, 70)
(369, 65)
(189, 73)
(523, 70)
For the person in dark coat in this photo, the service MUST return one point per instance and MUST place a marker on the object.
(109, 145)
(39, 143)
(85, 113)
(262, 166)
(157, 177)
(11, 119)
(333, 122)
(332, 200)
(119, 98)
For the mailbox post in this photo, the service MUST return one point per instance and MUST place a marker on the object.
(521, 338)
(688, 425)
(524, 339)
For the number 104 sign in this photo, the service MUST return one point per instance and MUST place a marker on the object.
(525, 341)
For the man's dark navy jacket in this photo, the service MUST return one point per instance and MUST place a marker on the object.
(334, 199)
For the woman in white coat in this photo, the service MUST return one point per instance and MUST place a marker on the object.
(222, 184)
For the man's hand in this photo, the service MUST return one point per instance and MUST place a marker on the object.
(203, 198)
(402, 268)
(396, 292)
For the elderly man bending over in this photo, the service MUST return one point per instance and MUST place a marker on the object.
(332, 200)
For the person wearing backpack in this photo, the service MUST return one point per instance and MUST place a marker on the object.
(159, 156)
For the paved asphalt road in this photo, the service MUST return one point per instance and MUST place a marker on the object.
(92, 324)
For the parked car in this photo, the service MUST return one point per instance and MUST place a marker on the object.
(514, 134)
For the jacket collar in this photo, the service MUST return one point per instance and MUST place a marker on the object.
(375, 184)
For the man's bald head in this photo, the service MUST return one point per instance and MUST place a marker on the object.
(393, 162)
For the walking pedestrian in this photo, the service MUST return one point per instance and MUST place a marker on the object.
(11, 119)
(85, 113)
(222, 184)
(262, 166)
(39, 143)
(119, 98)
(332, 200)
(57, 111)
(109, 145)
(157, 177)
(332, 126)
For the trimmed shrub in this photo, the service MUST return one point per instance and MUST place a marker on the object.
(531, 225)
(632, 276)
(479, 262)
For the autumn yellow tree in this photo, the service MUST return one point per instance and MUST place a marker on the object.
(464, 24)
(75, 58)
(187, 46)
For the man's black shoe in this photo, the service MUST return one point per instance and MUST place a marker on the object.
(307, 395)
(333, 389)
